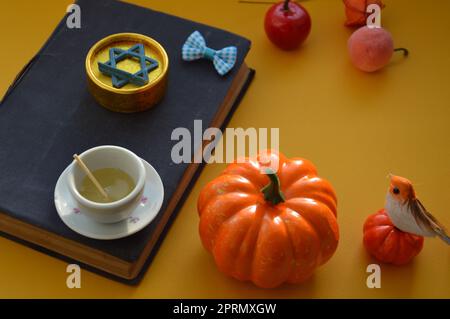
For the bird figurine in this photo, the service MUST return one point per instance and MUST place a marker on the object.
(408, 214)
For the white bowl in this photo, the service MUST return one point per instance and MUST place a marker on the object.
(108, 156)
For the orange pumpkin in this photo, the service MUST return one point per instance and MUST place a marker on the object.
(269, 228)
(387, 243)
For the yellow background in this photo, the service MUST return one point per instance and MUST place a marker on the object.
(355, 127)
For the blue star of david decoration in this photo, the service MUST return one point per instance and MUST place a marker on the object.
(120, 77)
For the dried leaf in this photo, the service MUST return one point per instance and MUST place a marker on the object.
(355, 10)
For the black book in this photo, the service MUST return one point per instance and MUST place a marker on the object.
(48, 114)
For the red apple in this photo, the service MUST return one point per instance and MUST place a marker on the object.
(287, 24)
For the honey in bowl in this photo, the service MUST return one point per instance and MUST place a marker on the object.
(116, 183)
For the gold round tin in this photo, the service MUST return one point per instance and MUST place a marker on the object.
(129, 98)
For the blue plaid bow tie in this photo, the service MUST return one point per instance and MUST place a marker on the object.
(195, 48)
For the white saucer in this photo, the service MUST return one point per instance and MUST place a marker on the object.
(149, 206)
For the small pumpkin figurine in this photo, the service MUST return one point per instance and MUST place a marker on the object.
(387, 243)
(269, 228)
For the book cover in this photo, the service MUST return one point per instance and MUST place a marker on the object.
(48, 115)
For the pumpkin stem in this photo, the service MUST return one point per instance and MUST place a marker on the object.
(404, 50)
(272, 192)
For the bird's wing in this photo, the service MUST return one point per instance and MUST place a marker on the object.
(425, 220)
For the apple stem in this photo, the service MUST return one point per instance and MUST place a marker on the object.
(404, 50)
(286, 5)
